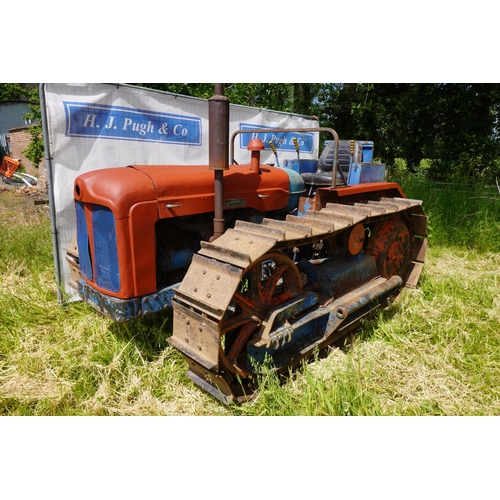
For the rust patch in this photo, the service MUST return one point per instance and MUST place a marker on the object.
(390, 245)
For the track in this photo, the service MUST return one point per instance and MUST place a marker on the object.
(225, 306)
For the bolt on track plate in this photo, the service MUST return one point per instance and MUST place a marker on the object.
(209, 285)
(196, 336)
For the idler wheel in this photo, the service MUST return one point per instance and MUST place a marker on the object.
(356, 239)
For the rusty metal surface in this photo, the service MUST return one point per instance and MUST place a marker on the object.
(281, 314)
(357, 211)
(239, 248)
(404, 202)
(216, 385)
(399, 227)
(218, 132)
(390, 245)
(292, 231)
(218, 151)
(356, 239)
(365, 294)
(375, 209)
(413, 274)
(219, 221)
(419, 225)
(390, 208)
(340, 219)
(317, 225)
(263, 290)
(339, 314)
(209, 285)
(196, 336)
(276, 232)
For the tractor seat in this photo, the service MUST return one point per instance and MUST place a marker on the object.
(324, 172)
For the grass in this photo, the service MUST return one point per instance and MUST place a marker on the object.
(460, 215)
(436, 351)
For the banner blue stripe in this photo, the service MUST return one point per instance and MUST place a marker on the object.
(283, 141)
(117, 122)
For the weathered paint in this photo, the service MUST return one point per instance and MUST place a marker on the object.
(122, 310)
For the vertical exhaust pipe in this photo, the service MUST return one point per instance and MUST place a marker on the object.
(218, 151)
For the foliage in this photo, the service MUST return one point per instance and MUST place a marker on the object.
(35, 150)
(453, 125)
(462, 214)
(11, 91)
(288, 97)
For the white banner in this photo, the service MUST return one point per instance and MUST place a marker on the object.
(95, 126)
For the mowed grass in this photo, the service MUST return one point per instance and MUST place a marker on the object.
(435, 351)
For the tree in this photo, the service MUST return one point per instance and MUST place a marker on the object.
(453, 125)
(11, 91)
(35, 150)
(288, 97)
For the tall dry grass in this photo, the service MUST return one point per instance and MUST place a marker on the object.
(435, 351)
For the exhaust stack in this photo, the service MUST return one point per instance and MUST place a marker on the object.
(218, 151)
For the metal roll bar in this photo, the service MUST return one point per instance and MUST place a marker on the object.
(314, 129)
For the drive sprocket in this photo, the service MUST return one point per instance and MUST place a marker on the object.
(269, 282)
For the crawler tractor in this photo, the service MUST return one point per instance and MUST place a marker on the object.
(261, 263)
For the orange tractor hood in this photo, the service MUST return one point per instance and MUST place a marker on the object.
(182, 190)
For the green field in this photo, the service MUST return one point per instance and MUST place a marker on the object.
(435, 351)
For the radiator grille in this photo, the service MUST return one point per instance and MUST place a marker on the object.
(82, 240)
(107, 274)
